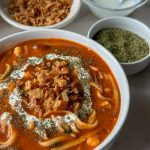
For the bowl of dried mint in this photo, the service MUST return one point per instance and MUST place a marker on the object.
(127, 39)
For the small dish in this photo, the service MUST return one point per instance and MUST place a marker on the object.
(131, 25)
(75, 8)
(103, 12)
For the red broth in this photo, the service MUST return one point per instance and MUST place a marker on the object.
(104, 92)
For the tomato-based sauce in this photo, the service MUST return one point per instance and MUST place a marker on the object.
(55, 94)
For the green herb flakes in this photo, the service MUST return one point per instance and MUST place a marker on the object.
(124, 45)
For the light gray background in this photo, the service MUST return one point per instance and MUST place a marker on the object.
(136, 131)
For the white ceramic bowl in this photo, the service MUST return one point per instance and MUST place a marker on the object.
(72, 15)
(102, 12)
(116, 69)
(129, 24)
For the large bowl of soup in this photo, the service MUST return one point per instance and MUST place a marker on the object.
(59, 90)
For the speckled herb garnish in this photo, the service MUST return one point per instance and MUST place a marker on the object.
(124, 45)
(51, 124)
(68, 131)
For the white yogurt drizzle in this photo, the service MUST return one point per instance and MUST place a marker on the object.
(7, 116)
(15, 98)
(3, 86)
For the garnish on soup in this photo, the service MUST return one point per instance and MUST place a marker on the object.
(55, 94)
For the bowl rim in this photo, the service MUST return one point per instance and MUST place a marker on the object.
(124, 18)
(61, 24)
(123, 109)
(89, 2)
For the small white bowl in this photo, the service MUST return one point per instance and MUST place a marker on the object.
(129, 24)
(7, 42)
(75, 8)
(102, 12)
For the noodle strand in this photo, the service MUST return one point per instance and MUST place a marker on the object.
(11, 139)
(75, 142)
(5, 74)
(53, 141)
(116, 94)
(92, 117)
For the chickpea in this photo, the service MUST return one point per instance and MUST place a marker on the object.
(107, 90)
(106, 104)
(17, 51)
(93, 141)
(27, 75)
(11, 87)
(31, 126)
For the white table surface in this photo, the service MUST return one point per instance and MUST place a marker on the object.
(135, 134)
